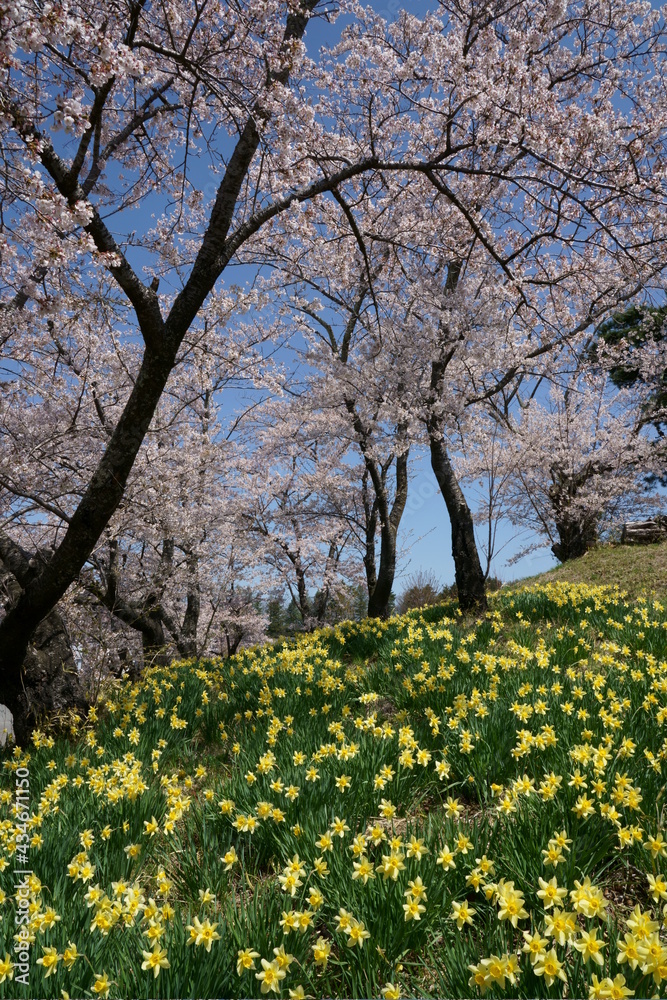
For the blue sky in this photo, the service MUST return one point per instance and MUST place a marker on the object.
(424, 540)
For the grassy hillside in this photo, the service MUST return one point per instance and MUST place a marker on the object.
(635, 569)
(422, 807)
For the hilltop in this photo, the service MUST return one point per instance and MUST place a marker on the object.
(635, 569)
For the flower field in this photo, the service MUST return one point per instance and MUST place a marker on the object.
(421, 807)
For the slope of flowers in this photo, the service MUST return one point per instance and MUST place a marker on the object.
(425, 806)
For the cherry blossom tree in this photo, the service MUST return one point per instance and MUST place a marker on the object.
(348, 379)
(572, 465)
(290, 472)
(162, 568)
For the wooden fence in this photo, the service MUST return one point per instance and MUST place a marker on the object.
(643, 532)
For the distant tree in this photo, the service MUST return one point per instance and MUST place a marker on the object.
(634, 350)
(422, 588)
(636, 331)
(571, 466)
(277, 616)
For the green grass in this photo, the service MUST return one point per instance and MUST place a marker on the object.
(635, 569)
(469, 744)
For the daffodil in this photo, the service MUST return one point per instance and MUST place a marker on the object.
(289, 921)
(627, 951)
(321, 951)
(270, 976)
(49, 961)
(320, 867)
(155, 960)
(391, 991)
(202, 933)
(446, 858)
(550, 967)
(550, 893)
(617, 988)
(101, 985)
(416, 889)
(339, 827)
(230, 858)
(246, 960)
(598, 990)
(283, 959)
(357, 934)
(657, 887)
(325, 843)
(590, 946)
(560, 925)
(535, 946)
(70, 955)
(462, 913)
(413, 909)
(415, 848)
(6, 968)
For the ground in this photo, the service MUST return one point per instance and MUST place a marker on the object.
(429, 806)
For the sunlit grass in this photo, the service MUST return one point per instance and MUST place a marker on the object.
(426, 806)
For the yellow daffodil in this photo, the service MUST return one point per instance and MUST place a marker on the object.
(101, 985)
(246, 960)
(155, 960)
(6, 968)
(270, 976)
(202, 933)
(462, 913)
(550, 967)
(49, 961)
(321, 951)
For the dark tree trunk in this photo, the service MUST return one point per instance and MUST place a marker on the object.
(467, 567)
(49, 682)
(232, 641)
(323, 596)
(41, 593)
(302, 591)
(468, 571)
(187, 645)
(154, 643)
(371, 519)
(575, 538)
(379, 599)
(577, 532)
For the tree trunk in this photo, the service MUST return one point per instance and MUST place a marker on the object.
(371, 519)
(468, 571)
(48, 682)
(575, 538)
(304, 600)
(153, 641)
(467, 567)
(188, 643)
(378, 600)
